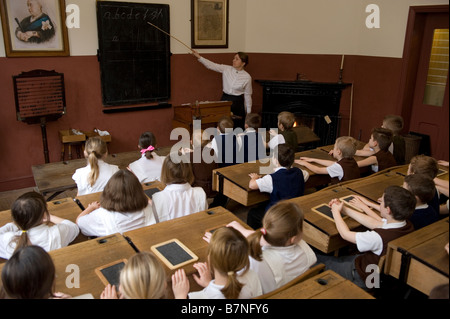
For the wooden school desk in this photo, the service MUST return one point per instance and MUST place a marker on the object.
(80, 261)
(55, 178)
(319, 231)
(327, 285)
(419, 258)
(233, 181)
(373, 186)
(189, 230)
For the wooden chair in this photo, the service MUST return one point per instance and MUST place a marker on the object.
(311, 272)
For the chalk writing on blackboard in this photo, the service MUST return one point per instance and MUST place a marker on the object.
(134, 57)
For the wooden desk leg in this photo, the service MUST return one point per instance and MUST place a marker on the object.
(70, 151)
(63, 150)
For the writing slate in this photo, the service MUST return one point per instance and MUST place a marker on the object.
(149, 192)
(347, 200)
(110, 274)
(174, 254)
(134, 56)
(325, 211)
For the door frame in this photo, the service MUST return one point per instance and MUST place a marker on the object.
(411, 55)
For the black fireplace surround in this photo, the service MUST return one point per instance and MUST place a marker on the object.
(318, 101)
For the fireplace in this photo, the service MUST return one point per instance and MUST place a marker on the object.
(314, 104)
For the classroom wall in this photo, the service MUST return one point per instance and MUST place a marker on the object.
(305, 37)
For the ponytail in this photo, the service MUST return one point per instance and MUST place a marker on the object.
(254, 241)
(95, 170)
(22, 240)
(95, 149)
(147, 143)
(233, 287)
(228, 255)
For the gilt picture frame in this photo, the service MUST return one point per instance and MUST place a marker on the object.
(209, 23)
(33, 28)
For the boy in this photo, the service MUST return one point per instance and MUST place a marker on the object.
(344, 169)
(423, 188)
(426, 165)
(286, 182)
(397, 205)
(286, 134)
(224, 144)
(398, 146)
(380, 140)
(251, 143)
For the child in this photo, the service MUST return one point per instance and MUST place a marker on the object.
(123, 207)
(423, 189)
(426, 165)
(228, 261)
(278, 253)
(31, 226)
(286, 182)
(30, 274)
(344, 169)
(397, 205)
(397, 147)
(286, 121)
(382, 159)
(251, 143)
(201, 168)
(179, 198)
(148, 167)
(93, 177)
(225, 144)
(142, 277)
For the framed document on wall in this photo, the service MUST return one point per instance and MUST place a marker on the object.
(209, 20)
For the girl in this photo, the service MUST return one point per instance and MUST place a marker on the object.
(148, 167)
(179, 198)
(278, 253)
(143, 277)
(30, 226)
(30, 274)
(229, 262)
(93, 177)
(123, 206)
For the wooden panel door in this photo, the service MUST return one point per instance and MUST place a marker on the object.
(430, 114)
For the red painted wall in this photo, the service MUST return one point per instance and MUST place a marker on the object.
(376, 82)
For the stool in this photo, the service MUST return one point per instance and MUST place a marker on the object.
(70, 139)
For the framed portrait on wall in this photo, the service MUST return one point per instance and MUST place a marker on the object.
(34, 28)
(209, 19)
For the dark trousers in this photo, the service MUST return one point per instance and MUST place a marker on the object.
(256, 215)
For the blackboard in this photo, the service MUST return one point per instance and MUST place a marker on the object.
(134, 56)
(110, 274)
(174, 254)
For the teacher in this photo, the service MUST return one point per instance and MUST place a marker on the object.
(237, 85)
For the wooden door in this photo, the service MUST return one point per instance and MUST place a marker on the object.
(430, 114)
